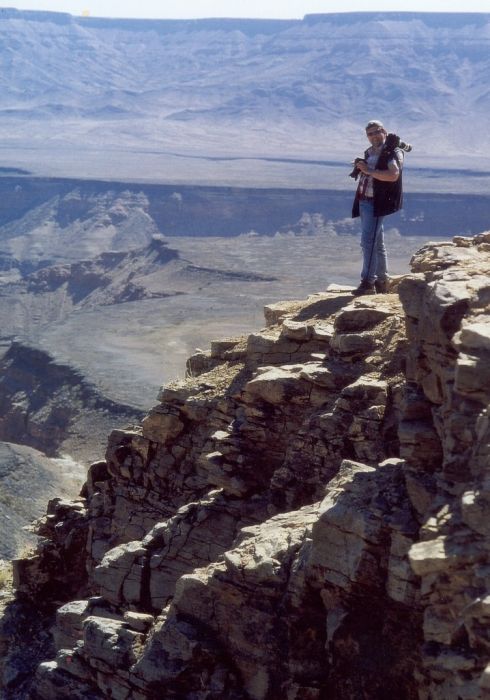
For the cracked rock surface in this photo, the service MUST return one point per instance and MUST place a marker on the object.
(304, 517)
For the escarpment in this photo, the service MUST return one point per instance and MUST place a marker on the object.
(304, 517)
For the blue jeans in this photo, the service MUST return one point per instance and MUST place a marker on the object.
(372, 243)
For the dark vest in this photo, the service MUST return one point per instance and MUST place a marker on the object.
(388, 196)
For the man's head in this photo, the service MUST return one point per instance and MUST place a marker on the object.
(376, 132)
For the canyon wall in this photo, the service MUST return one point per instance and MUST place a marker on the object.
(52, 407)
(239, 101)
(304, 517)
(96, 216)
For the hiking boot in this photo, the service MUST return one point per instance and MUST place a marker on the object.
(381, 286)
(364, 288)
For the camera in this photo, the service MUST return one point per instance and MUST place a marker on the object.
(393, 141)
(356, 172)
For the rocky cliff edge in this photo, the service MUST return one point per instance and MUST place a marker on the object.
(304, 517)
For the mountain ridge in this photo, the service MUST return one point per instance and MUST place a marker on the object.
(452, 18)
(295, 89)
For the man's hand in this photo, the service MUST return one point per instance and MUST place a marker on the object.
(362, 166)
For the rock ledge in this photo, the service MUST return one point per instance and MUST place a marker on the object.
(305, 516)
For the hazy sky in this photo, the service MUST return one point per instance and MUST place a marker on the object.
(242, 8)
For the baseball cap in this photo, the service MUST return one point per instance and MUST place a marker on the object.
(374, 122)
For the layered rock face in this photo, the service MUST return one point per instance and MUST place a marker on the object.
(304, 517)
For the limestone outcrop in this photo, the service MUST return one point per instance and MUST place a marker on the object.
(304, 516)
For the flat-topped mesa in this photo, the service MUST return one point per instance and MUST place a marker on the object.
(305, 512)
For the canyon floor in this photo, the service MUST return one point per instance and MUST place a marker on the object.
(222, 290)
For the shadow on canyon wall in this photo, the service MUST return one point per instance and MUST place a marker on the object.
(179, 210)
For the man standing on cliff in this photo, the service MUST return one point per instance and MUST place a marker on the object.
(378, 194)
